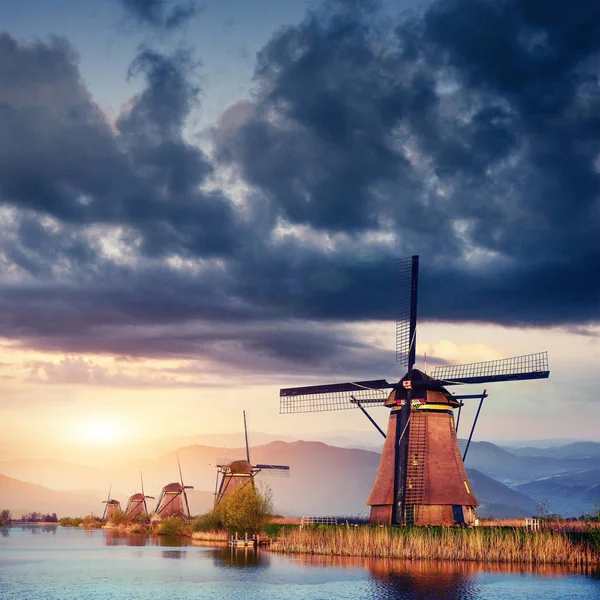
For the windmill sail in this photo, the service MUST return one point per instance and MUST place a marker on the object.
(406, 279)
(517, 368)
(272, 470)
(336, 396)
(184, 487)
(246, 437)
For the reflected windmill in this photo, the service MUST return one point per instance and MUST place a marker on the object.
(421, 478)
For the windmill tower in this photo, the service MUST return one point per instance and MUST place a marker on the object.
(421, 478)
(112, 506)
(136, 506)
(239, 473)
(172, 497)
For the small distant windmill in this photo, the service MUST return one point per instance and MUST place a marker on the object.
(136, 506)
(172, 496)
(238, 473)
(112, 506)
(421, 479)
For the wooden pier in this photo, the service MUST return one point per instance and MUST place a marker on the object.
(248, 542)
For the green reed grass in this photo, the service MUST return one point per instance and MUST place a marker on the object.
(489, 544)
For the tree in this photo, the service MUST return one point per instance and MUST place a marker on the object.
(542, 509)
(246, 510)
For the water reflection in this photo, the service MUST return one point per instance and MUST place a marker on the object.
(241, 557)
(173, 554)
(36, 529)
(429, 580)
(4, 531)
(114, 537)
(121, 538)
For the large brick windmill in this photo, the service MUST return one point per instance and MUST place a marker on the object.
(233, 475)
(421, 478)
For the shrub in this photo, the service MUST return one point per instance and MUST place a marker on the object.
(91, 521)
(209, 522)
(117, 518)
(246, 510)
(172, 526)
(141, 519)
(70, 521)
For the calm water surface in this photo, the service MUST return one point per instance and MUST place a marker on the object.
(58, 563)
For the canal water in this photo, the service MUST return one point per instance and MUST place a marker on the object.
(58, 563)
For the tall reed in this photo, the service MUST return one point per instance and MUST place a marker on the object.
(211, 536)
(491, 544)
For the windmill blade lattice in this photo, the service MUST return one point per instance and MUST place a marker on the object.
(184, 487)
(336, 396)
(272, 470)
(517, 368)
(405, 279)
(106, 502)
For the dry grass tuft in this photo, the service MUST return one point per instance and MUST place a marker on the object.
(487, 544)
(210, 536)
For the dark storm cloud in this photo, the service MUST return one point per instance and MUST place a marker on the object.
(160, 13)
(469, 135)
(60, 157)
(472, 134)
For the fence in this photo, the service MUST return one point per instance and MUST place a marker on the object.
(318, 521)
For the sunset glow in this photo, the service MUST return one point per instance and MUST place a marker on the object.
(99, 432)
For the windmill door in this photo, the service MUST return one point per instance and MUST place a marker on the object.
(457, 511)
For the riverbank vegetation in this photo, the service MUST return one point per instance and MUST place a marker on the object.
(89, 521)
(487, 544)
(246, 510)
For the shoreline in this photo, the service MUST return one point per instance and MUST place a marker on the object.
(485, 544)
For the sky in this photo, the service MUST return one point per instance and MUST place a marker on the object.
(201, 203)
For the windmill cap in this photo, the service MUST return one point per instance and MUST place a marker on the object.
(424, 387)
(172, 488)
(239, 467)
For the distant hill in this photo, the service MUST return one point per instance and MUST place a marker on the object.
(21, 497)
(498, 500)
(324, 479)
(513, 469)
(568, 494)
(574, 450)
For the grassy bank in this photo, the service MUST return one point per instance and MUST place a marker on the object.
(488, 544)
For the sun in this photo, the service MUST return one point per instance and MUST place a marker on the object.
(99, 432)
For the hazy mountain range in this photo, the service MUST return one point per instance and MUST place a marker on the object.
(324, 479)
